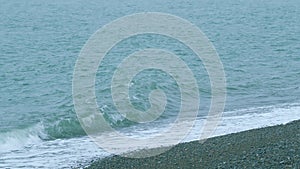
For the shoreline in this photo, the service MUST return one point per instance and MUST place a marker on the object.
(270, 147)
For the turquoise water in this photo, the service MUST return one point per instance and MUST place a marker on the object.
(257, 41)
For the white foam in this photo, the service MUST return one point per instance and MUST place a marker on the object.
(24, 148)
(53, 154)
(20, 138)
(252, 118)
(270, 116)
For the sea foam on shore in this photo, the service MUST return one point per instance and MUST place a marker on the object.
(270, 147)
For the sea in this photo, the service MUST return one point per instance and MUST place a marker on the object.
(258, 43)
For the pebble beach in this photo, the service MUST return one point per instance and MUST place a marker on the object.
(270, 147)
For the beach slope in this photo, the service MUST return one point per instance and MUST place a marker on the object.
(270, 147)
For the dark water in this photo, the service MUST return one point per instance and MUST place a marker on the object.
(257, 41)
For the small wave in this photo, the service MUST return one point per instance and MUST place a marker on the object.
(63, 128)
(27, 147)
(20, 138)
(263, 109)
